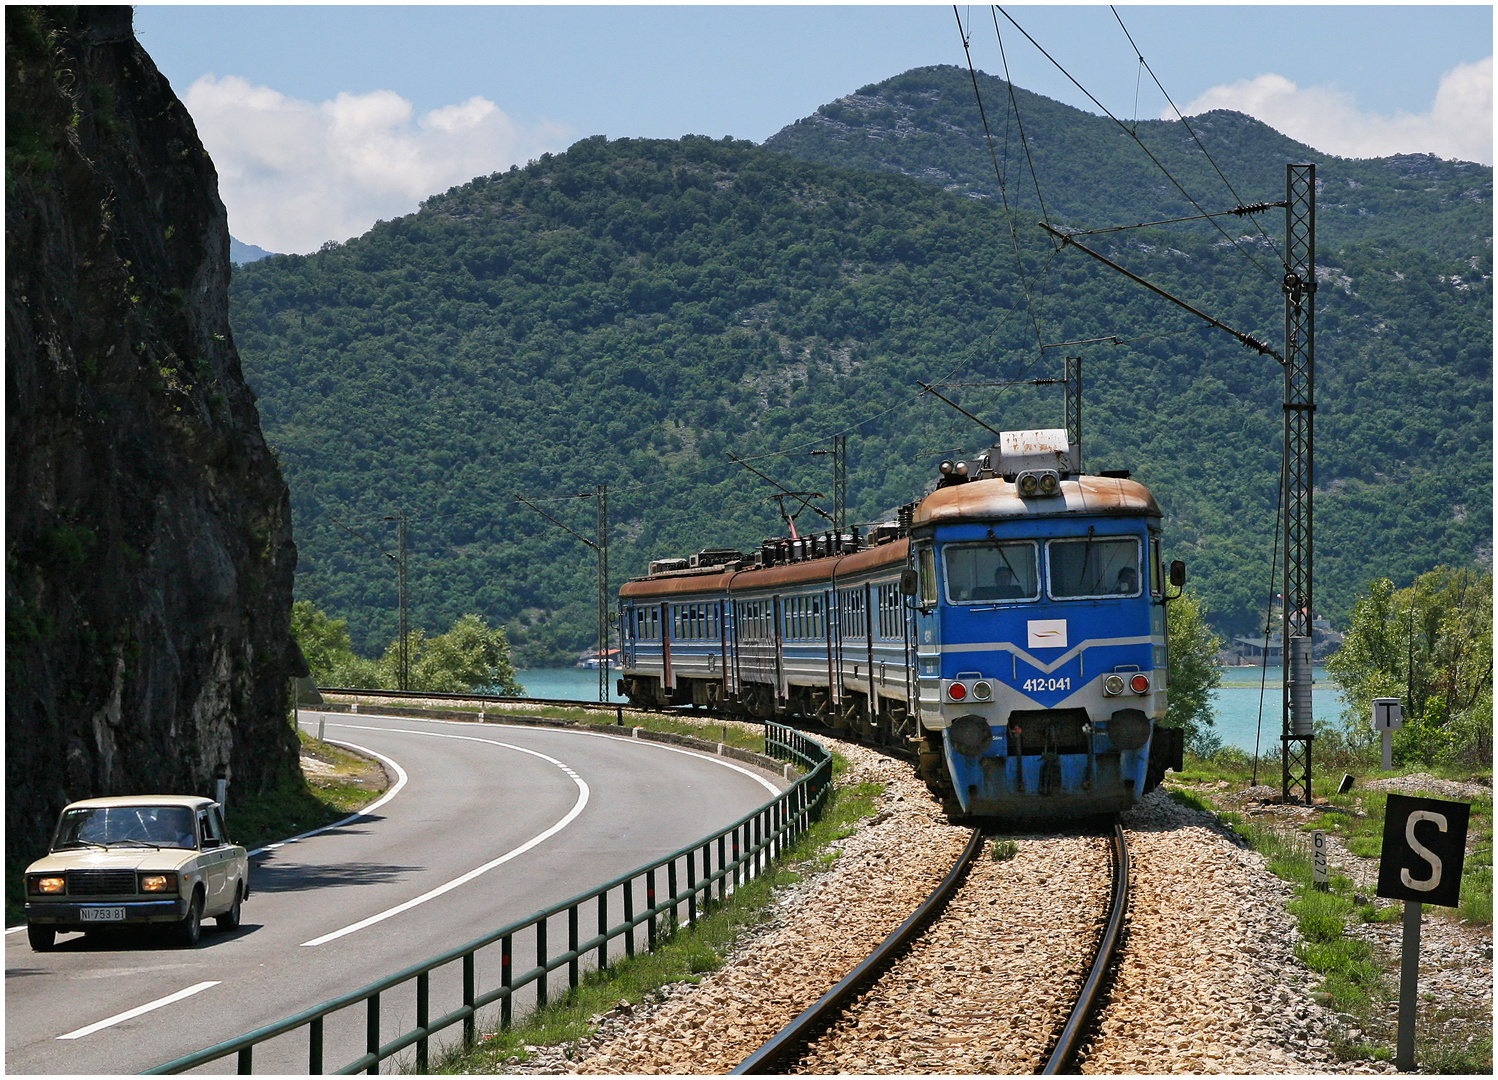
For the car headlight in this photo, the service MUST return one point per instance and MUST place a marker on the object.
(41, 886)
(158, 883)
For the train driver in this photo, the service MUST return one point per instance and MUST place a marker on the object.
(1128, 582)
(1005, 586)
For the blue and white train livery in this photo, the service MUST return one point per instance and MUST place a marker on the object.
(1010, 628)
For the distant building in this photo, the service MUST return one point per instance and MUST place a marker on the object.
(1245, 650)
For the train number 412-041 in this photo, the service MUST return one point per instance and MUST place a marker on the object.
(1032, 685)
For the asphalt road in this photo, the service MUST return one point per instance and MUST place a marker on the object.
(490, 824)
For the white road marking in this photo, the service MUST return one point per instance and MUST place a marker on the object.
(690, 753)
(714, 758)
(400, 782)
(130, 1014)
(567, 819)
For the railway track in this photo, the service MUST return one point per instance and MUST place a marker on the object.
(825, 1038)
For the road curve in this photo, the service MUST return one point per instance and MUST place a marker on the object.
(493, 823)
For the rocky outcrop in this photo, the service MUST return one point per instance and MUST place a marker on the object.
(148, 550)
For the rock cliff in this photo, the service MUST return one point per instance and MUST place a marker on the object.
(148, 546)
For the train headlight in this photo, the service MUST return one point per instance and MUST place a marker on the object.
(1028, 484)
(1050, 483)
(970, 735)
(945, 468)
(1113, 685)
(957, 692)
(960, 468)
(1128, 729)
(982, 690)
(1140, 683)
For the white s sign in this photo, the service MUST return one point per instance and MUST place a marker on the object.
(1421, 850)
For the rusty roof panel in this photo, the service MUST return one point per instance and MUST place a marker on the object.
(985, 500)
(675, 586)
(787, 574)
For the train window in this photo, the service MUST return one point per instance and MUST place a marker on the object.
(926, 564)
(1094, 567)
(1155, 576)
(983, 573)
(817, 630)
(854, 624)
(889, 610)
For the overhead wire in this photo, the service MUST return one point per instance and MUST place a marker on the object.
(1018, 119)
(998, 173)
(1140, 142)
(1182, 117)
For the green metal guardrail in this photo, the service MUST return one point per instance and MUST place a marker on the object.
(743, 851)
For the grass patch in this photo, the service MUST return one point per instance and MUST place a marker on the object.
(1355, 980)
(302, 802)
(687, 953)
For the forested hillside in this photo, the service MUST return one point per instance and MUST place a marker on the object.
(631, 311)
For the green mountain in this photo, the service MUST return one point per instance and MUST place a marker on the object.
(1090, 172)
(630, 312)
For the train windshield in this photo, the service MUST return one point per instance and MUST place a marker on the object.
(983, 573)
(1094, 567)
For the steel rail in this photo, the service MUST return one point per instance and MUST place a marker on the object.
(1068, 1042)
(779, 1051)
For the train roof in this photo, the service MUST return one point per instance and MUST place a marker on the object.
(676, 583)
(1105, 496)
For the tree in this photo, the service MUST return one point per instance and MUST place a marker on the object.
(329, 650)
(1194, 673)
(1431, 646)
(471, 656)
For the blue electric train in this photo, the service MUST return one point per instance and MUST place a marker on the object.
(1010, 628)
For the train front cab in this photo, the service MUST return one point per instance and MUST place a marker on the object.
(1041, 655)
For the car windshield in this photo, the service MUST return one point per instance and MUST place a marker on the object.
(126, 826)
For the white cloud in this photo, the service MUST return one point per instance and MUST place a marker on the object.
(294, 174)
(1459, 124)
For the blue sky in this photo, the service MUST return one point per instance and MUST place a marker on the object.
(322, 119)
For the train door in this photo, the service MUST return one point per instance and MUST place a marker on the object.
(626, 637)
(908, 635)
(927, 634)
(728, 680)
(870, 623)
(829, 633)
(777, 612)
(835, 642)
(666, 680)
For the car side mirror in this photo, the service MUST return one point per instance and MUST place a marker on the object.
(1178, 573)
(908, 581)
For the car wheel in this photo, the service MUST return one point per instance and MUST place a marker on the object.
(190, 929)
(42, 938)
(229, 920)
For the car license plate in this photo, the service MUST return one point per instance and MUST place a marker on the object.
(102, 914)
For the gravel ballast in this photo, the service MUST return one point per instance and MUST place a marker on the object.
(1209, 982)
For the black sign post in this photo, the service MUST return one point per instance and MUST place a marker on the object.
(1425, 841)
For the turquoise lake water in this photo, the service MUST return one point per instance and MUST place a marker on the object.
(579, 684)
(1237, 703)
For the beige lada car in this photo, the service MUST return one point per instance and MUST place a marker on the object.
(137, 860)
